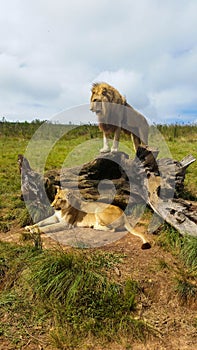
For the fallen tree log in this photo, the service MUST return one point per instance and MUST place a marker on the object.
(180, 214)
(117, 179)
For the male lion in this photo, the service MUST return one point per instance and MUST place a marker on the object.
(115, 114)
(70, 212)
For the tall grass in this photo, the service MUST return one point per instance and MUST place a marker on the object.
(189, 252)
(19, 129)
(184, 246)
(172, 132)
(89, 300)
(25, 129)
(74, 290)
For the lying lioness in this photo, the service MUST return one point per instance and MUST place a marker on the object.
(70, 212)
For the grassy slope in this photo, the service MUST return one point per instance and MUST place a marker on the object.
(25, 312)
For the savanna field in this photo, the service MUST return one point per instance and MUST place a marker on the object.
(114, 297)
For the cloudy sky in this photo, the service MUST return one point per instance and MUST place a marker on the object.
(52, 50)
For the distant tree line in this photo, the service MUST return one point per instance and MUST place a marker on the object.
(27, 129)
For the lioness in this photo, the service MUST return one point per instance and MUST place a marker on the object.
(115, 114)
(70, 212)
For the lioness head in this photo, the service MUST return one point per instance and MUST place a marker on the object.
(64, 199)
(103, 96)
(61, 199)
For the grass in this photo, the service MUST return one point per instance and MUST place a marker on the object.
(74, 296)
(185, 248)
(11, 206)
(169, 237)
(71, 289)
(83, 292)
(186, 290)
(182, 140)
(189, 252)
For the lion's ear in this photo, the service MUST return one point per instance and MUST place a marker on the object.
(124, 101)
(104, 91)
(68, 195)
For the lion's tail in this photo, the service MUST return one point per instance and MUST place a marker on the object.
(146, 244)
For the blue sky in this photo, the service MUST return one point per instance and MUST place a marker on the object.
(52, 51)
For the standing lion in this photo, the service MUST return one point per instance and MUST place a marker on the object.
(115, 114)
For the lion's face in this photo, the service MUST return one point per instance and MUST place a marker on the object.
(61, 199)
(98, 98)
(65, 199)
(102, 98)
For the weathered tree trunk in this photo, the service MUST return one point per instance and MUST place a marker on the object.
(117, 179)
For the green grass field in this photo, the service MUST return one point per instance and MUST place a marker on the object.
(42, 291)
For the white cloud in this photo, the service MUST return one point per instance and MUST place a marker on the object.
(51, 52)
